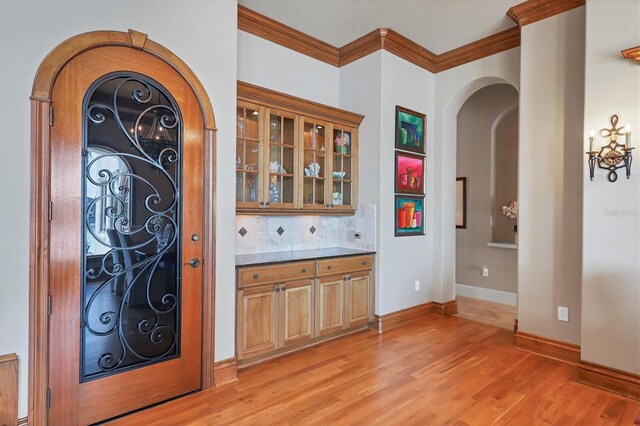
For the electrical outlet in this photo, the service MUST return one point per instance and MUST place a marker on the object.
(354, 235)
(417, 284)
(563, 313)
(485, 271)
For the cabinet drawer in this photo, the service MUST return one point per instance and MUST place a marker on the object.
(344, 264)
(275, 273)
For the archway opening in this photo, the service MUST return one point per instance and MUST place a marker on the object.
(486, 253)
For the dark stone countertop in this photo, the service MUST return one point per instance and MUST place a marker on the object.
(257, 259)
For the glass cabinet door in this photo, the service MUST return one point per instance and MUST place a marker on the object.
(343, 168)
(248, 155)
(314, 163)
(282, 158)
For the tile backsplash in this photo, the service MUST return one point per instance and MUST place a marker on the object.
(259, 234)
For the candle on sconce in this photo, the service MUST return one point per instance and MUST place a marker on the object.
(591, 135)
(627, 136)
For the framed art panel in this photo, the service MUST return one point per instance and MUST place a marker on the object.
(409, 215)
(461, 202)
(411, 130)
(409, 176)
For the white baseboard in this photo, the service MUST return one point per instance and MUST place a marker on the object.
(497, 296)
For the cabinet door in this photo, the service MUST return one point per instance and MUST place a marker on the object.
(296, 314)
(257, 311)
(358, 294)
(282, 161)
(330, 304)
(249, 155)
(314, 163)
(343, 181)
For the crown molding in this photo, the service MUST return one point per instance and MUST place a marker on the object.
(632, 53)
(496, 43)
(532, 11)
(411, 51)
(379, 39)
(361, 47)
(269, 29)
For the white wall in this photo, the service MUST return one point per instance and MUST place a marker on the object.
(403, 260)
(452, 88)
(270, 65)
(550, 177)
(203, 34)
(611, 247)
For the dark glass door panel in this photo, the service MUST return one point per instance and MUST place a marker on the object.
(132, 171)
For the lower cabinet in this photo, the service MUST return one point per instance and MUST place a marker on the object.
(359, 300)
(330, 304)
(312, 300)
(274, 316)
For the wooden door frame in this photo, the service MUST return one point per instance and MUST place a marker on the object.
(39, 248)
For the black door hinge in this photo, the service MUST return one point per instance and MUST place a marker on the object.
(50, 210)
(48, 398)
(49, 305)
(50, 115)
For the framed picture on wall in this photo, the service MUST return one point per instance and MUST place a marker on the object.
(409, 176)
(461, 202)
(411, 130)
(409, 215)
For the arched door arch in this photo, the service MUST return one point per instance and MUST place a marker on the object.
(42, 116)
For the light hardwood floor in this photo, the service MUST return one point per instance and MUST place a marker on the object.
(486, 312)
(432, 370)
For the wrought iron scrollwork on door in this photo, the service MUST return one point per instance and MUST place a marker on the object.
(132, 170)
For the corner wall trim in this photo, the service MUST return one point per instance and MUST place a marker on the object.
(9, 389)
(609, 379)
(548, 348)
(532, 11)
(632, 53)
(488, 294)
(225, 371)
(446, 309)
(393, 319)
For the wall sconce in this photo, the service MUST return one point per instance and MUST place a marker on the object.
(613, 155)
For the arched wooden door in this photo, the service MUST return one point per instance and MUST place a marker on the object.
(126, 227)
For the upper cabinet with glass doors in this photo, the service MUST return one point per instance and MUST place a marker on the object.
(294, 156)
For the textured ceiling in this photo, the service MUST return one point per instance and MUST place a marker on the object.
(438, 25)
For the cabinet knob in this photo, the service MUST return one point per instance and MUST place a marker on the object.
(327, 205)
(268, 203)
(331, 205)
(349, 277)
(261, 203)
(277, 289)
(364, 262)
(284, 288)
(256, 276)
(304, 270)
(195, 237)
(329, 267)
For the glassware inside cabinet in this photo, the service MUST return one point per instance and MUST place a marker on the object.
(282, 157)
(315, 165)
(247, 154)
(342, 168)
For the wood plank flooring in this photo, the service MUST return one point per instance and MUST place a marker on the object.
(486, 312)
(432, 370)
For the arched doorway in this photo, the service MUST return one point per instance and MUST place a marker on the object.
(486, 253)
(154, 162)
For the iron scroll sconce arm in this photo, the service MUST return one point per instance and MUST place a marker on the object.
(613, 155)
